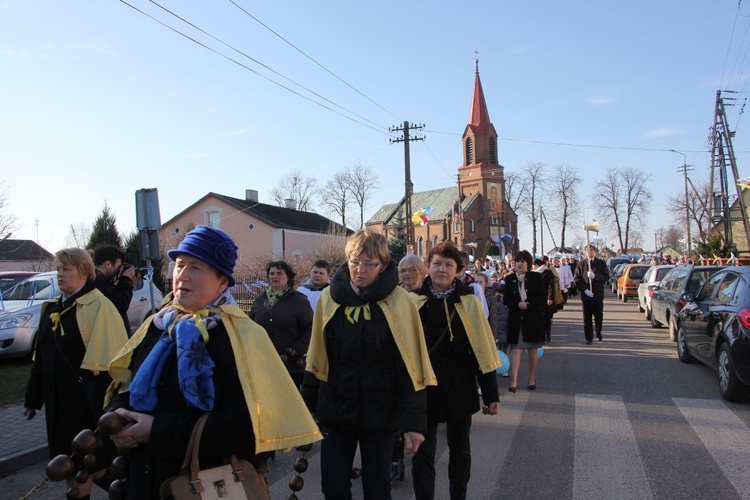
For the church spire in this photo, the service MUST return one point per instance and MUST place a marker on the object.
(479, 118)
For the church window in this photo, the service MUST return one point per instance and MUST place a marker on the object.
(493, 155)
(420, 246)
(469, 151)
(471, 225)
(434, 241)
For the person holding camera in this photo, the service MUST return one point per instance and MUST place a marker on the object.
(114, 278)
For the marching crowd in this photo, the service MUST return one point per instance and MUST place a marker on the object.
(374, 354)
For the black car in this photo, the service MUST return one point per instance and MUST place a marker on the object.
(714, 328)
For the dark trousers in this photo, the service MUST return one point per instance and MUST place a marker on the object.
(592, 308)
(459, 461)
(337, 458)
(548, 326)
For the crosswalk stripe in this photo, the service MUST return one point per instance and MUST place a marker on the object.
(720, 430)
(608, 462)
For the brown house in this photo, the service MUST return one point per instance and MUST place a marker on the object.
(473, 214)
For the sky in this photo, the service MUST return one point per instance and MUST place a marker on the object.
(98, 100)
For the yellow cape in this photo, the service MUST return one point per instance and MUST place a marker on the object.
(101, 329)
(280, 417)
(477, 328)
(406, 328)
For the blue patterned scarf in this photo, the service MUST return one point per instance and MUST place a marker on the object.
(187, 333)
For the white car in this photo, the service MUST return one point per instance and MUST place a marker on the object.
(653, 277)
(21, 308)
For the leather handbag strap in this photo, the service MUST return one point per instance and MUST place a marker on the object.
(192, 452)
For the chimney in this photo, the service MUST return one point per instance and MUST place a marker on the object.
(251, 195)
(290, 203)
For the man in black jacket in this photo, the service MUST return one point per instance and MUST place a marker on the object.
(114, 278)
(590, 276)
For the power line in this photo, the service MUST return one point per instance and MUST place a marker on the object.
(252, 70)
(313, 60)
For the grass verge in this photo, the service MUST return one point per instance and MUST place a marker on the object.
(14, 374)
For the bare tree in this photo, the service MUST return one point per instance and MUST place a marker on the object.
(363, 181)
(563, 192)
(338, 195)
(78, 235)
(622, 198)
(699, 199)
(532, 180)
(673, 236)
(515, 191)
(298, 187)
(8, 221)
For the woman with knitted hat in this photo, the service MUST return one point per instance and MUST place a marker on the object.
(186, 361)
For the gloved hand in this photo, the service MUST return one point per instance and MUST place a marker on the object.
(592, 275)
(589, 293)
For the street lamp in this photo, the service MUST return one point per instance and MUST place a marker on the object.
(687, 205)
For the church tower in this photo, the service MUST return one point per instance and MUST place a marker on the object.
(481, 177)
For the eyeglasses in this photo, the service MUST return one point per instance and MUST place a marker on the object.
(354, 264)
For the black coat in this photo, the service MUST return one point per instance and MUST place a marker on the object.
(549, 282)
(120, 294)
(530, 320)
(369, 389)
(453, 360)
(73, 397)
(581, 278)
(228, 430)
(288, 323)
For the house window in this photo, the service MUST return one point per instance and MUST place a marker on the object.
(213, 219)
(420, 245)
(471, 225)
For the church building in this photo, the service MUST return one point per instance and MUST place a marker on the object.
(474, 214)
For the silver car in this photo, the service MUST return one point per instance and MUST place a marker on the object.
(653, 277)
(21, 307)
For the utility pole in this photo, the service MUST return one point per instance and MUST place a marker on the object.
(687, 200)
(408, 186)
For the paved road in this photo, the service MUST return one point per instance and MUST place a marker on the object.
(620, 419)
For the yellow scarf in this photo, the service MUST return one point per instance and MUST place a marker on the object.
(403, 321)
(100, 326)
(477, 329)
(280, 417)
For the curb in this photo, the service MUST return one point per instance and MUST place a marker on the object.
(17, 461)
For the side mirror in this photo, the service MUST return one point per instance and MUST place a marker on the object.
(688, 297)
(654, 287)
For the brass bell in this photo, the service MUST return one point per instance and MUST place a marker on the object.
(296, 483)
(300, 465)
(82, 476)
(119, 467)
(89, 460)
(60, 467)
(117, 489)
(72, 492)
(84, 442)
(110, 423)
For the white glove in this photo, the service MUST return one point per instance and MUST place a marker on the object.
(591, 275)
(589, 293)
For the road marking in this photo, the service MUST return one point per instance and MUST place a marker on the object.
(607, 458)
(721, 430)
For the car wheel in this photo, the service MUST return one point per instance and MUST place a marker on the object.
(624, 296)
(647, 313)
(673, 329)
(654, 323)
(730, 386)
(682, 349)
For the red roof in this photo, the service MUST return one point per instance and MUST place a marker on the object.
(479, 118)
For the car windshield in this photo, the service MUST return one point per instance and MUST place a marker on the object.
(661, 272)
(33, 288)
(697, 278)
(637, 273)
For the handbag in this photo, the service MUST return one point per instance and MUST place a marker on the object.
(235, 479)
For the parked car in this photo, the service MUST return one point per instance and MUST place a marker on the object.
(667, 301)
(19, 320)
(653, 276)
(714, 328)
(614, 262)
(629, 279)
(615, 275)
(10, 278)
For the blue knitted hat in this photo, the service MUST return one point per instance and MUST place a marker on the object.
(211, 246)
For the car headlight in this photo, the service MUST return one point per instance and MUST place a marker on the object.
(15, 321)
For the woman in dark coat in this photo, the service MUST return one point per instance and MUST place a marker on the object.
(526, 298)
(464, 356)
(69, 376)
(186, 361)
(367, 369)
(287, 317)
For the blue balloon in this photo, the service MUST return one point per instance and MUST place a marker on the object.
(505, 362)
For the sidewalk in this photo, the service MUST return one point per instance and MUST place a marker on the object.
(24, 442)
